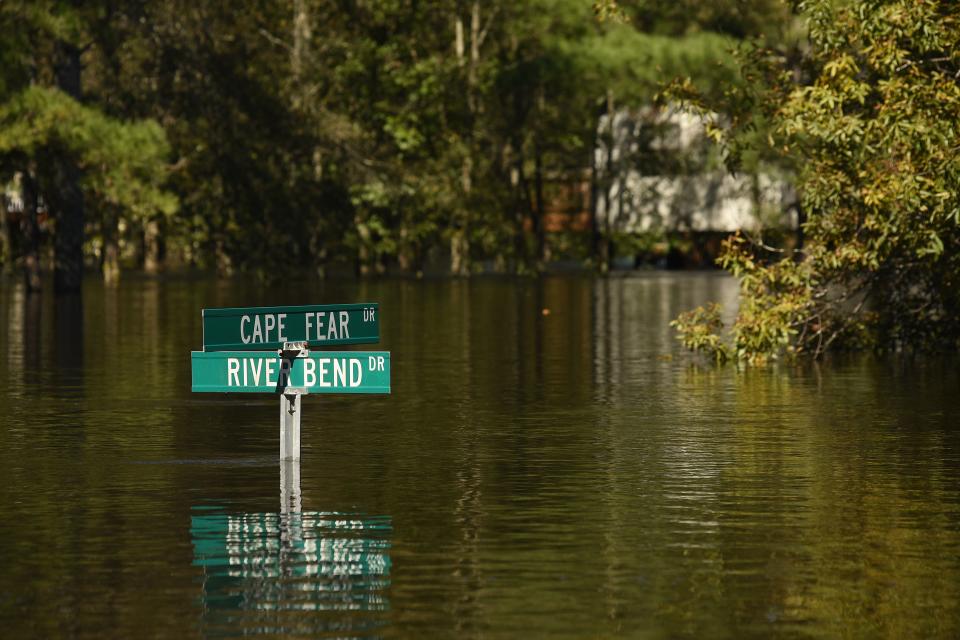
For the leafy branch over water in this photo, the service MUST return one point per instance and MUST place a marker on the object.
(870, 118)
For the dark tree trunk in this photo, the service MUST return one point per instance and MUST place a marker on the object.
(594, 197)
(602, 232)
(524, 214)
(364, 252)
(521, 211)
(111, 247)
(801, 221)
(31, 233)
(223, 260)
(152, 247)
(539, 221)
(6, 251)
(68, 244)
(408, 252)
(318, 249)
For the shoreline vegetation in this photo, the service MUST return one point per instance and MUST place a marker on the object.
(467, 137)
(312, 135)
(870, 122)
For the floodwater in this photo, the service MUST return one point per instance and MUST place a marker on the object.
(549, 464)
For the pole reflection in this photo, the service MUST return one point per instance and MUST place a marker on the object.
(291, 571)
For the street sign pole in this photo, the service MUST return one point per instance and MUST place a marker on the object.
(291, 500)
(290, 411)
(236, 357)
(290, 426)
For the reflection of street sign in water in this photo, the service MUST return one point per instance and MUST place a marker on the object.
(262, 328)
(292, 572)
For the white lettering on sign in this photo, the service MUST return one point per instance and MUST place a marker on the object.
(320, 335)
(333, 372)
(233, 372)
(339, 373)
(323, 326)
(267, 328)
(253, 368)
(322, 364)
(327, 372)
(332, 328)
(269, 323)
(355, 368)
(368, 314)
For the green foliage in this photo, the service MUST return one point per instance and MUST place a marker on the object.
(873, 126)
(698, 330)
(636, 64)
(123, 164)
(272, 137)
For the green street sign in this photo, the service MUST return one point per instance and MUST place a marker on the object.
(262, 328)
(267, 372)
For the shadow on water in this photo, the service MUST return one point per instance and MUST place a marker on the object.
(32, 329)
(68, 335)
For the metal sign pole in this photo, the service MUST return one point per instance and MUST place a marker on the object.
(290, 426)
(290, 497)
(238, 357)
(290, 407)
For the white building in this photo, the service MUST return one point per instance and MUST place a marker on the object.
(661, 173)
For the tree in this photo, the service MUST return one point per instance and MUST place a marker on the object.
(68, 150)
(123, 164)
(311, 132)
(873, 126)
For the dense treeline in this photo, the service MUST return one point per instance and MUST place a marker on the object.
(269, 136)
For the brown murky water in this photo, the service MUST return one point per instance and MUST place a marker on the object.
(561, 475)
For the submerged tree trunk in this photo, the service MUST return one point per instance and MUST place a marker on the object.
(152, 247)
(110, 264)
(68, 243)
(458, 251)
(30, 232)
(514, 155)
(601, 230)
(460, 237)
(459, 240)
(224, 262)
(539, 220)
(594, 198)
(318, 249)
(364, 244)
(6, 250)
(408, 252)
